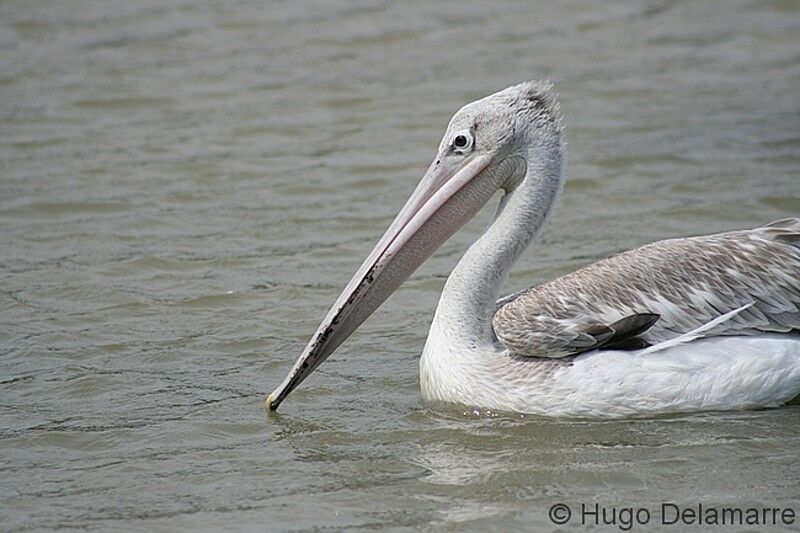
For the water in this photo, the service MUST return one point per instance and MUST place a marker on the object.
(186, 186)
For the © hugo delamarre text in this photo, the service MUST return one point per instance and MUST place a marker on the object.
(668, 514)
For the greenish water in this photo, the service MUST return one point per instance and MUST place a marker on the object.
(186, 186)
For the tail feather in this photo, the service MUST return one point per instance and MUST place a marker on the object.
(785, 230)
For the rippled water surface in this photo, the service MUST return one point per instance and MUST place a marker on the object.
(185, 187)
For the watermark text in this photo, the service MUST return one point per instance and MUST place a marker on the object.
(629, 517)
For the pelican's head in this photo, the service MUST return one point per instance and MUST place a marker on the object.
(490, 144)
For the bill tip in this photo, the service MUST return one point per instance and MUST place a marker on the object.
(268, 403)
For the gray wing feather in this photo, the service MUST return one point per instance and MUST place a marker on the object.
(685, 282)
(510, 298)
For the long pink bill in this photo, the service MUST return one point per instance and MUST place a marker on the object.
(445, 199)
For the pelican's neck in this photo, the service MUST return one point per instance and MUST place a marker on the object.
(468, 301)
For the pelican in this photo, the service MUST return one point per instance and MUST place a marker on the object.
(689, 324)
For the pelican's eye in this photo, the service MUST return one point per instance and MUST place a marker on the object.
(462, 141)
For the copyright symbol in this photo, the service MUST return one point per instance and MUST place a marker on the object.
(560, 514)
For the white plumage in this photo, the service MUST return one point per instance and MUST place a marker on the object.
(718, 373)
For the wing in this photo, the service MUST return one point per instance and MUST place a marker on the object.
(660, 291)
